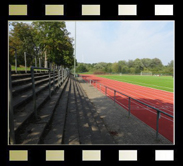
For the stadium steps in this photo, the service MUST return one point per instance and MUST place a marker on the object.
(24, 75)
(24, 80)
(54, 131)
(24, 94)
(29, 130)
(71, 134)
(27, 86)
(75, 121)
(23, 103)
(68, 117)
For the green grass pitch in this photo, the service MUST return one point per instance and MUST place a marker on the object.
(162, 82)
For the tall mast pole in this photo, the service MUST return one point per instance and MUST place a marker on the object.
(75, 53)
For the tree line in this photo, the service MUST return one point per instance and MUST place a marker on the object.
(48, 41)
(128, 67)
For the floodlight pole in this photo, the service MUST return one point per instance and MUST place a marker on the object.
(75, 53)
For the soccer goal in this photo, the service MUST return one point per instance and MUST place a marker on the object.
(146, 73)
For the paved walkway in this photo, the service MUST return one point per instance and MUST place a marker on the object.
(124, 130)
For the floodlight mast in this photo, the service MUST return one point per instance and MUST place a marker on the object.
(75, 53)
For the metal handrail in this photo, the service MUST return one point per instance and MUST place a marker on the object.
(158, 111)
(64, 75)
(60, 80)
(11, 114)
(33, 87)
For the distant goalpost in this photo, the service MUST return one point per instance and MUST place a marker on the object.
(146, 73)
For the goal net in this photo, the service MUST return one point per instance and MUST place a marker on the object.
(146, 73)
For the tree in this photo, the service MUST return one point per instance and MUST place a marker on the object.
(170, 64)
(81, 68)
(115, 67)
(22, 37)
(130, 63)
(121, 65)
(54, 38)
(156, 63)
(138, 65)
(170, 67)
(40, 37)
(108, 68)
(125, 69)
(146, 62)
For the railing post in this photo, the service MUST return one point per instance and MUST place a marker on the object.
(35, 63)
(11, 115)
(49, 83)
(114, 96)
(106, 91)
(58, 78)
(129, 104)
(157, 124)
(40, 63)
(64, 74)
(33, 91)
(25, 62)
(16, 60)
(53, 79)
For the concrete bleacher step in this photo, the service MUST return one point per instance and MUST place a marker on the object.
(22, 84)
(31, 132)
(75, 121)
(21, 81)
(64, 127)
(24, 97)
(71, 135)
(26, 75)
(22, 88)
(67, 118)
(25, 113)
(55, 130)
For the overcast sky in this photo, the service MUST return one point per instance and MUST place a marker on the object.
(111, 41)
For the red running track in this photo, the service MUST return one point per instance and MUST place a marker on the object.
(160, 99)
